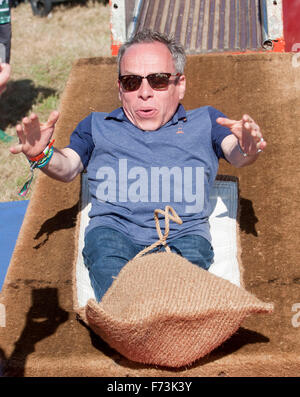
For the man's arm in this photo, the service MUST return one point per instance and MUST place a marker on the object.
(65, 164)
(246, 138)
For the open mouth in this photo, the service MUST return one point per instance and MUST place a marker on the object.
(146, 113)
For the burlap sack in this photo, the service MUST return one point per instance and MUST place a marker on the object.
(163, 310)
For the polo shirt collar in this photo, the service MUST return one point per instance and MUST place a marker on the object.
(119, 114)
(180, 114)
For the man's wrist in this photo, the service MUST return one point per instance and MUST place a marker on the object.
(244, 154)
(44, 153)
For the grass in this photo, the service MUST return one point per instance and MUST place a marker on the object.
(43, 52)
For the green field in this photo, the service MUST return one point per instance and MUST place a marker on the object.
(43, 51)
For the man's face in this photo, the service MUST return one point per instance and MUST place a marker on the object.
(147, 108)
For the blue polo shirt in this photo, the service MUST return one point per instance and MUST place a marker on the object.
(132, 172)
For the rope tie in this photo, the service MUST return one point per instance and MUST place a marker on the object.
(170, 214)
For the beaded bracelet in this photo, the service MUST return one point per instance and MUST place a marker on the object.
(39, 161)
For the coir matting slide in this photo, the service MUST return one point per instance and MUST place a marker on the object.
(43, 336)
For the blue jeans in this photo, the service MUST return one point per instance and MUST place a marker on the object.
(106, 251)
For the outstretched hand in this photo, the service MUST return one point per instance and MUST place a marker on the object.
(33, 135)
(247, 132)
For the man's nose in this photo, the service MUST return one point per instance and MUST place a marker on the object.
(145, 91)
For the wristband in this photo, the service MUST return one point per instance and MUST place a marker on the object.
(44, 161)
(244, 154)
(39, 161)
(43, 154)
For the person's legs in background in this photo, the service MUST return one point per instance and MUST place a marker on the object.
(5, 38)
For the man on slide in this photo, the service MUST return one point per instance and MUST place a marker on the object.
(145, 155)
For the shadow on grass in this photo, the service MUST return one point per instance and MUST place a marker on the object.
(18, 99)
(74, 3)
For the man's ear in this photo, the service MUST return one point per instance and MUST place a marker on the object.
(181, 86)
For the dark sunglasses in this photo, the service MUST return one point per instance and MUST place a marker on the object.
(157, 81)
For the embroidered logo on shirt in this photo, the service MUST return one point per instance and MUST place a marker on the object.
(180, 130)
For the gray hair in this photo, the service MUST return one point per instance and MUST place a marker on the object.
(150, 36)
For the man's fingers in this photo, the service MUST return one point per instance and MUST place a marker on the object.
(52, 118)
(34, 136)
(247, 132)
(31, 128)
(20, 133)
(248, 122)
(33, 117)
(31, 121)
(226, 122)
(262, 144)
(247, 125)
(16, 149)
(251, 127)
(246, 118)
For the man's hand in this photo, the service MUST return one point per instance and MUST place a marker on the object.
(4, 76)
(33, 135)
(247, 132)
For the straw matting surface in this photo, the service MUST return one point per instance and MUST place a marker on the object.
(42, 336)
